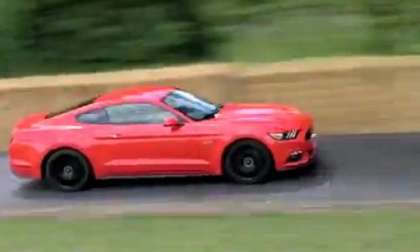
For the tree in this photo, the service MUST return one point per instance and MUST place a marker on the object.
(115, 32)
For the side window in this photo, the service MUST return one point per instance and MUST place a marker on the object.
(136, 113)
(94, 117)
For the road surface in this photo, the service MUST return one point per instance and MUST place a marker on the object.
(353, 169)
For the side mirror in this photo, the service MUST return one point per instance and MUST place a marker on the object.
(172, 122)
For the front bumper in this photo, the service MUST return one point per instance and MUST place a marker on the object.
(289, 155)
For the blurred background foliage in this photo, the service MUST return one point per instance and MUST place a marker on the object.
(49, 36)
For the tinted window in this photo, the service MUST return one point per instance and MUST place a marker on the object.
(96, 116)
(137, 113)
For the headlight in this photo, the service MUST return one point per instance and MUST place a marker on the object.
(287, 135)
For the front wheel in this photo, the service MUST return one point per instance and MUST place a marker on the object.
(68, 171)
(248, 162)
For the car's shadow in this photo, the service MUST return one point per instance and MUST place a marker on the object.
(184, 187)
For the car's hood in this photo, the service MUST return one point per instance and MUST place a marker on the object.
(280, 116)
(253, 110)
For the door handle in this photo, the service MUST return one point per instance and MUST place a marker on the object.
(110, 136)
(115, 136)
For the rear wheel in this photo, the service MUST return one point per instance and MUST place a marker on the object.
(248, 162)
(68, 171)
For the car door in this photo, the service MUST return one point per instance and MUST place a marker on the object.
(135, 141)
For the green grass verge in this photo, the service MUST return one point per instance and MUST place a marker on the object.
(289, 37)
(339, 231)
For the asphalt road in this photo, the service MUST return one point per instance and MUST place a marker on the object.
(353, 169)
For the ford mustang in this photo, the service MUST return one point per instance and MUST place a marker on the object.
(160, 131)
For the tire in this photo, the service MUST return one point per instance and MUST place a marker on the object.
(68, 171)
(248, 162)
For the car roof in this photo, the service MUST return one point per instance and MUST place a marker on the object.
(137, 91)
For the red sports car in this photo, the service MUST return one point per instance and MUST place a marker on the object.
(160, 131)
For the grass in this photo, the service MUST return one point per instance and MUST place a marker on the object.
(288, 37)
(335, 231)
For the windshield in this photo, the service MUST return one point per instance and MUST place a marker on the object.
(190, 105)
